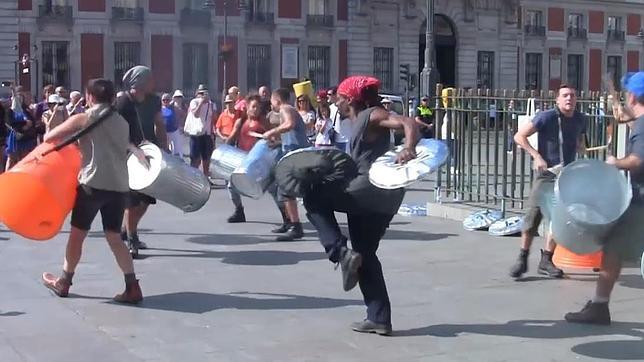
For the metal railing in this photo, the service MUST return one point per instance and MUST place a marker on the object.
(195, 17)
(127, 14)
(535, 30)
(260, 18)
(577, 33)
(485, 165)
(319, 20)
(616, 35)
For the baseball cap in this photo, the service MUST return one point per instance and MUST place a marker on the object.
(386, 100)
(177, 93)
(634, 83)
(55, 98)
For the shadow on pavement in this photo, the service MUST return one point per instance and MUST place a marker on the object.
(552, 329)
(198, 303)
(11, 314)
(393, 234)
(632, 281)
(230, 239)
(247, 257)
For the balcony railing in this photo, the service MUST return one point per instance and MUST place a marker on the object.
(260, 18)
(535, 30)
(577, 33)
(319, 20)
(55, 12)
(127, 14)
(194, 17)
(616, 35)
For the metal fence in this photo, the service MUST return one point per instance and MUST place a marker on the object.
(486, 166)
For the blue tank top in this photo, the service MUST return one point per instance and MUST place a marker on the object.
(295, 138)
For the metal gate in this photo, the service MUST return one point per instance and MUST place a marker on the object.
(126, 56)
(319, 65)
(258, 70)
(383, 64)
(55, 63)
(195, 66)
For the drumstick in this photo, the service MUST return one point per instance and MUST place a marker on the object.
(255, 134)
(598, 148)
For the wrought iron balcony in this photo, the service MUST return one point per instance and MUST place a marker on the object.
(616, 35)
(577, 33)
(55, 13)
(127, 14)
(195, 17)
(535, 30)
(319, 21)
(260, 18)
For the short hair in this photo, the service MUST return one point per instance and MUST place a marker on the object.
(333, 90)
(283, 94)
(565, 86)
(101, 89)
(49, 88)
(253, 97)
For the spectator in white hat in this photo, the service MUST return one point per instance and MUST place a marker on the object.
(56, 114)
(180, 113)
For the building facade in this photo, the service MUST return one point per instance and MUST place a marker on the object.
(508, 44)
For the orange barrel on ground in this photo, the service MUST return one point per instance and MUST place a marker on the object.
(564, 258)
(38, 193)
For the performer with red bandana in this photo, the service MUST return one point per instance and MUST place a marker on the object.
(369, 209)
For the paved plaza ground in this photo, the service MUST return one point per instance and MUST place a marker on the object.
(220, 292)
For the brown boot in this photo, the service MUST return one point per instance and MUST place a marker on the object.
(131, 295)
(59, 286)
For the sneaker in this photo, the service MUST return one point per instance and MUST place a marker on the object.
(139, 244)
(281, 229)
(59, 286)
(592, 313)
(295, 232)
(367, 326)
(134, 249)
(238, 216)
(547, 267)
(520, 267)
(350, 262)
(131, 295)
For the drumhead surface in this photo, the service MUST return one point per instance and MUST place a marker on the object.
(385, 173)
(139, 176)
(299, 169)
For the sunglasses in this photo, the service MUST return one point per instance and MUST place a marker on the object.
(165, 100)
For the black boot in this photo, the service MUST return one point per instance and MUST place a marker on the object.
(238, 216)
(521, 265)
(546, 267)
(592, 313)
(285, 223)
(134, 248)
(294, 232)
(350, 262)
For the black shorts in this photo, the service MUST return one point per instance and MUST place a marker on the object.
(135, 199)
(201, 147)
(90, 201)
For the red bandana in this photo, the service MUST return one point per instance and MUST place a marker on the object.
(352, 86)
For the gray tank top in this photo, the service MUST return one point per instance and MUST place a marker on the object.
(365, 152)
(104, 152)
(295, 138)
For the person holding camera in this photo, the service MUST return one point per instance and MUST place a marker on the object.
(198, 126)
(56, 113)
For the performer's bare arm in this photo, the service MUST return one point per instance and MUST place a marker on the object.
(521, 138)
(288, 116)
(236, 129)
(70, 126)
(382, 118)
(160, 132)
(630, 162)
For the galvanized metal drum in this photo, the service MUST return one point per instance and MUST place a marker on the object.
(589, 197)
(224, 160)
(169, 179)
(385, 173)
(253, 177)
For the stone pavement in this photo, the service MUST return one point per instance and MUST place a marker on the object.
(219, 292)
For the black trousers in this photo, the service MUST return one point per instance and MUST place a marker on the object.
(365, 231)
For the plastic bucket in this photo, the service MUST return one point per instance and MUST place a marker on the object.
(305, 88)
(589, 197)
(564, 258)
(36, 195)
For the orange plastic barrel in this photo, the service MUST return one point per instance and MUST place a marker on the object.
(564, 258)
(38, 193)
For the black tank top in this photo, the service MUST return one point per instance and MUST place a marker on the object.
(364, 152)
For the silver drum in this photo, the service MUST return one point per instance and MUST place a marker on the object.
(168, 179)
(253, 177)
(226, 159)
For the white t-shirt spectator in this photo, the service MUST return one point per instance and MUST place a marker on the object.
(323, 138)
(343, 126)
(205, 115)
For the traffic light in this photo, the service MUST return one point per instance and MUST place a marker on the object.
(404, 73)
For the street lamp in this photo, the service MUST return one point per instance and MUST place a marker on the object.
(429, 75)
